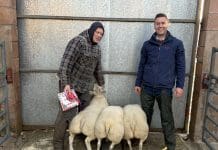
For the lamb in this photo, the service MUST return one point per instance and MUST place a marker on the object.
(135, 124)
(84, 121)
(110, 125)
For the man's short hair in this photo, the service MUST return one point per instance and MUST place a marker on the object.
(160, 15)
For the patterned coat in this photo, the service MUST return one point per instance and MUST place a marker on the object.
(81, 64)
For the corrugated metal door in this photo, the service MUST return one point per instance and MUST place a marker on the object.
(45, 27)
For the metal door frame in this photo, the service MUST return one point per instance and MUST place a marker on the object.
(4, 99)
(213, 80)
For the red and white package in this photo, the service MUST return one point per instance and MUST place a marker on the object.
(68, 100)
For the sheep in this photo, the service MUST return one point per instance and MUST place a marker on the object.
(110, 125)
(84, 121)
(135, 124)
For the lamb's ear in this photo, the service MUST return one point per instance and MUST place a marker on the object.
(102, 89)
(95, 86)
(92, 92)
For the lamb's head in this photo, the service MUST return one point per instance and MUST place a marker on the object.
(97, 90)
(99, 96)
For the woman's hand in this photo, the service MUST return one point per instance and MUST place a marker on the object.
(67, 88)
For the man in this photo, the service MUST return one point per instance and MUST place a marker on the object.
(80, 68)
(162, 63)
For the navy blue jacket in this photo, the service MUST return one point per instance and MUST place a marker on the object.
(161, 64)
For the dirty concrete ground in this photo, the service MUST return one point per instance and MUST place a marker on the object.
(42, 140)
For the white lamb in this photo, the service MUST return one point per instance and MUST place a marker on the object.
(84, 121)
(135, 124)
(110, 125)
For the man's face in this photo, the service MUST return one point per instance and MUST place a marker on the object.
(98, 34)
(160, 25)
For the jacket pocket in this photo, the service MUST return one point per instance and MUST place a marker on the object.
(148, 76)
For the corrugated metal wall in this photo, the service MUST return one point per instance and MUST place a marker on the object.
(45, 27)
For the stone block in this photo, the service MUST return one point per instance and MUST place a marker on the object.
(200, 53)
(213, 6)
(205, 14)
(8, 49)
(17, 95)
(198, 70)
(15, 66)
(16, 79)
(10, 91)
(14, 33)
(7, 16)
(14, 3)
(6, 3)
(202, 38)
(212, 22)
(210, 41)
(5, 33)
(15, 51)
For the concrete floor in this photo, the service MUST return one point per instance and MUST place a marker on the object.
(42, 140)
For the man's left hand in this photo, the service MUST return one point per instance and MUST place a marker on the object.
(179, 92)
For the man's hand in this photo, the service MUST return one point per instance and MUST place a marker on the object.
(138, 90)
(67, 88)
(179, 92)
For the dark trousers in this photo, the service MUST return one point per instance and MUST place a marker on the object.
(164, 100)
(63, 119)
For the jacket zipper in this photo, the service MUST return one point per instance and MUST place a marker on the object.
(158, 57)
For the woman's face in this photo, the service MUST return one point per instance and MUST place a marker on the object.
(98, 34)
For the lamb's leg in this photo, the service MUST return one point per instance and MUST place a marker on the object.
(99, 144)
(112, 146)
(71, 138)
(88, 143)
(129, 143)
(141, 144)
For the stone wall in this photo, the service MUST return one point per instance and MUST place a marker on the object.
(208, 39)
(8, 34)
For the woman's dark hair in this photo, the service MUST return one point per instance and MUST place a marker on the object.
(92, 29)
